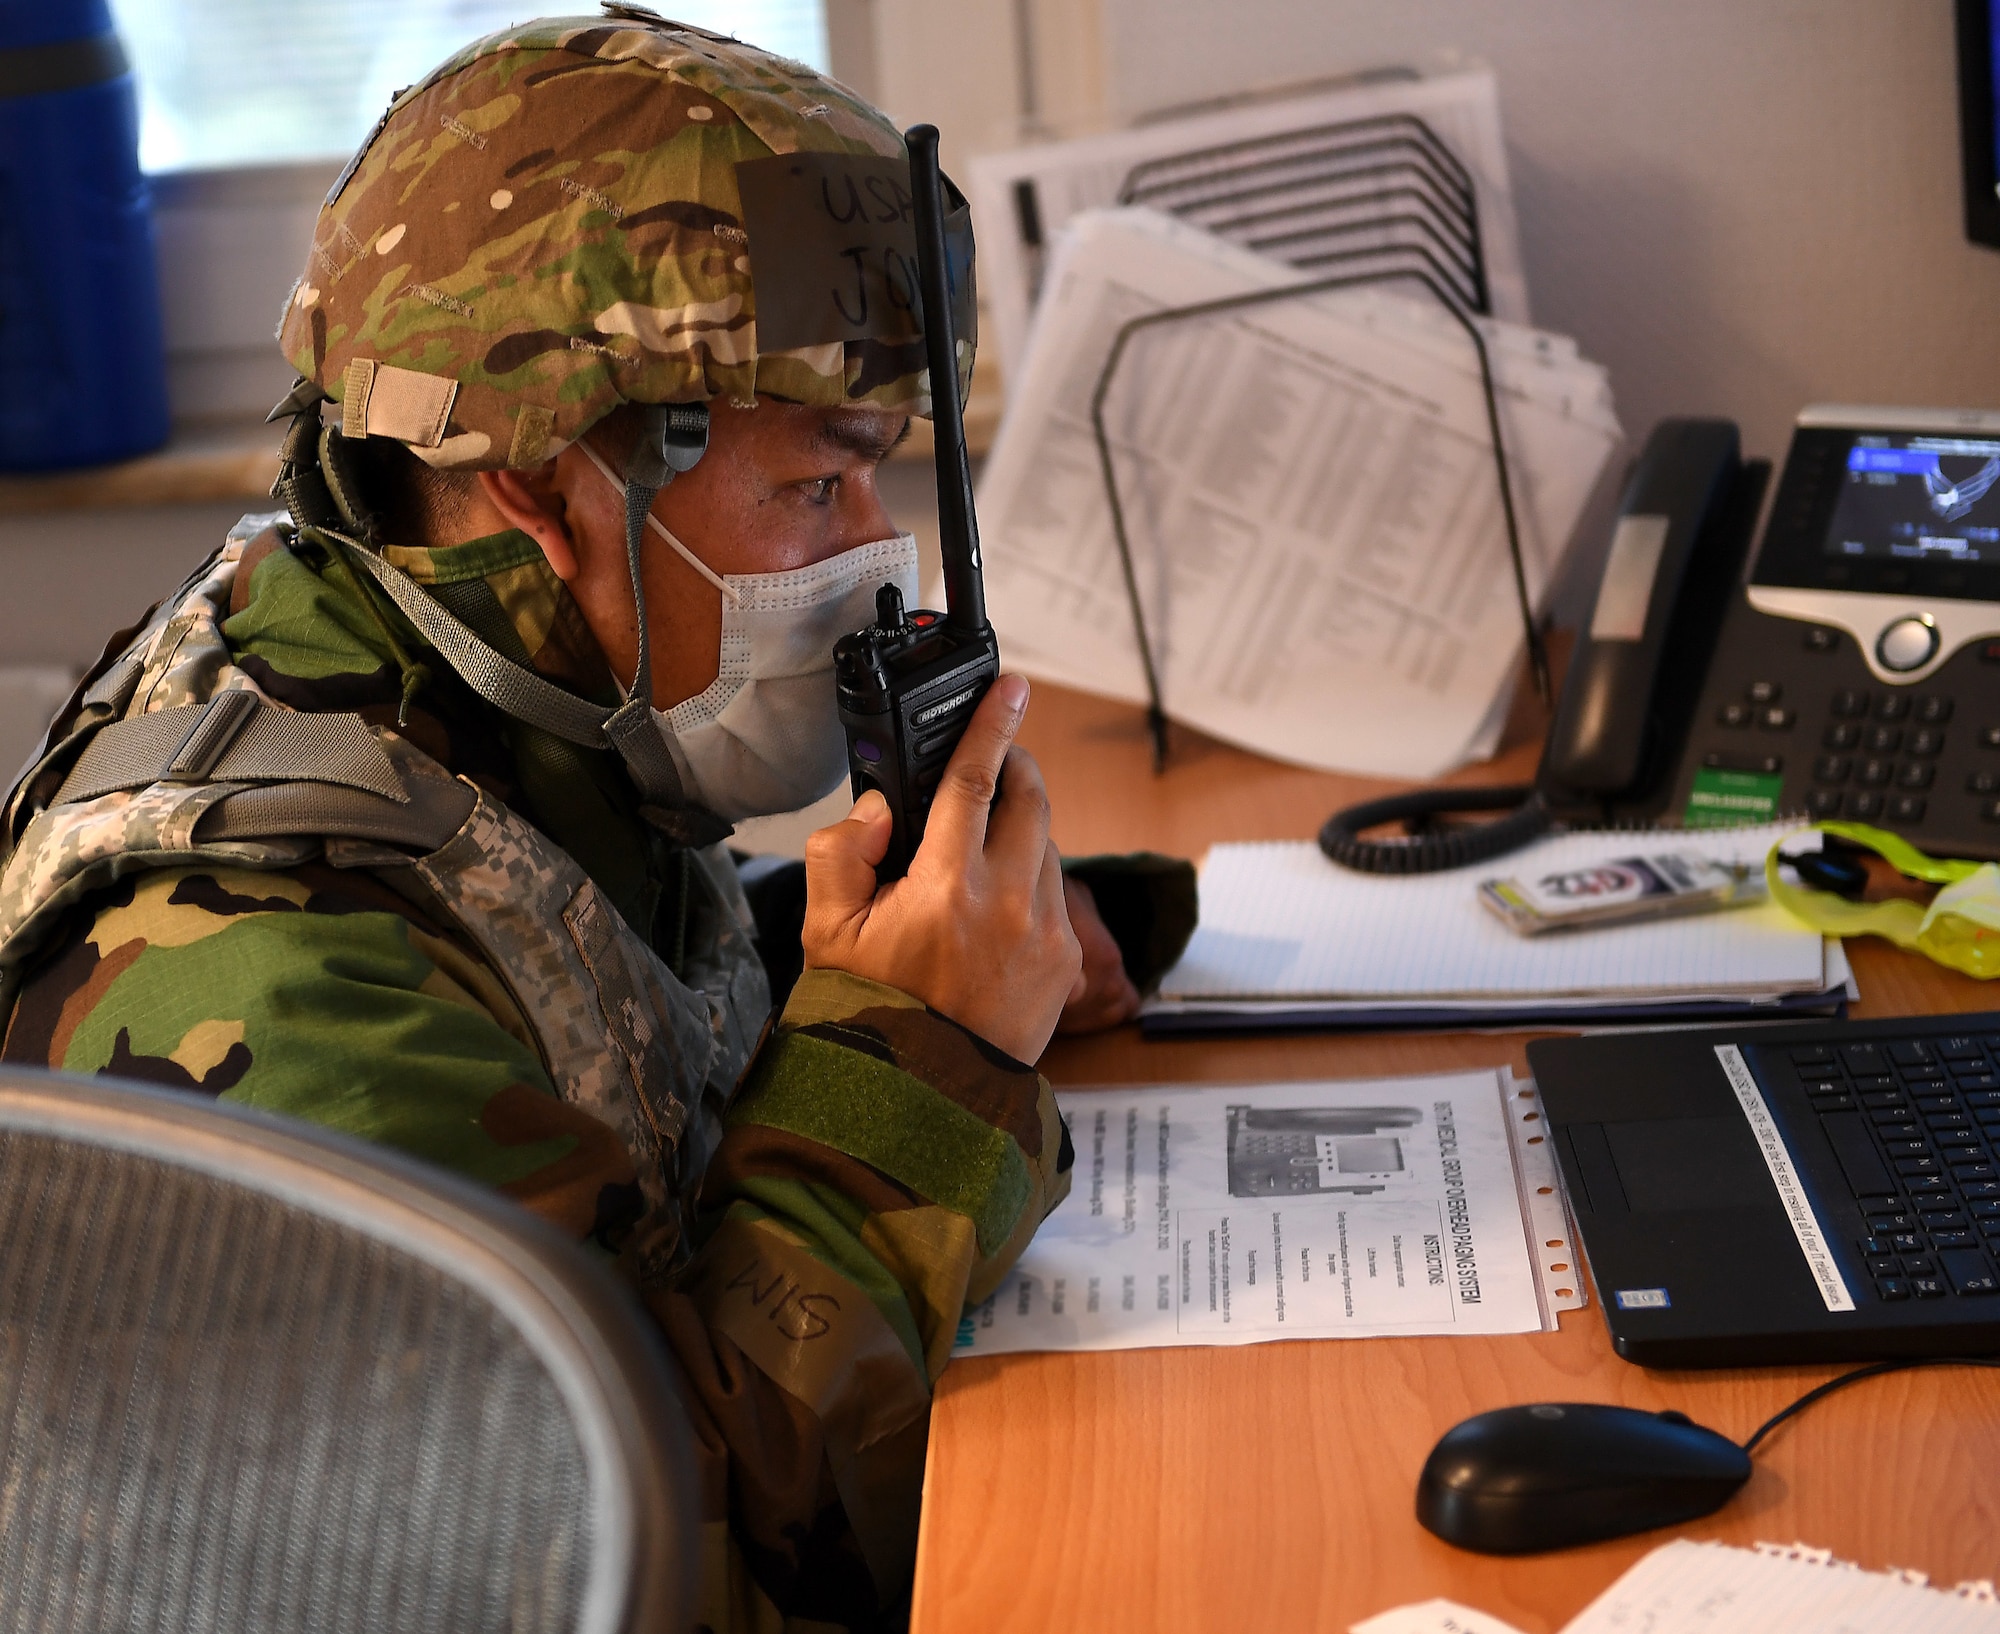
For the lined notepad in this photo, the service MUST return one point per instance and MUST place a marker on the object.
(1709, 1588)
(1283, 928)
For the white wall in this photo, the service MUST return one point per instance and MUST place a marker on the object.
(70, 578)
(231, 242)
(1740, 206)
(988, 73)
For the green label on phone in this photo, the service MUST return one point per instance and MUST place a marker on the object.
(1723, 799)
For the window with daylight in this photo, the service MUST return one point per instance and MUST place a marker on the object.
(225, 84)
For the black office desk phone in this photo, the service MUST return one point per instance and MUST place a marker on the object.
(1853, 671)
(1857, 673)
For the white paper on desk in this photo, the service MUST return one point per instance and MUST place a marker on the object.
(1463, 108)
(1310, 496)
(1407, 1219)
(1708, 1588)
(1280, 923)
(1433, 1617)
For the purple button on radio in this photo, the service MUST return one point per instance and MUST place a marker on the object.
(866, 750)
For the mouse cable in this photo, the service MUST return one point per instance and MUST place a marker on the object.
(1873, 1370)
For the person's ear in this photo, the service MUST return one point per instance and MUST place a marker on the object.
(532, 502)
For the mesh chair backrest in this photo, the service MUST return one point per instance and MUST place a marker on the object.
(223, 1410)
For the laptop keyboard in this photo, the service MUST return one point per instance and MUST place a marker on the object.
(1915, 1124)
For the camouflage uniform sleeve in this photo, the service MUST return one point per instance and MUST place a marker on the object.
(881, 1169)
(319, 993)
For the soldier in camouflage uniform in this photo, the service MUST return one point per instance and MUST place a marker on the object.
(373, 823)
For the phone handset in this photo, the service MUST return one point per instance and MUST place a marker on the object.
(1613, 715)
(1676, 551)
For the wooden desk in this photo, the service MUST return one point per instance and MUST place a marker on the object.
(1270, 1487)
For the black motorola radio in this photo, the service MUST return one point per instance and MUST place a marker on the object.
(910, 681)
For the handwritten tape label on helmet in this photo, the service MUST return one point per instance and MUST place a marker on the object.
(833, 250)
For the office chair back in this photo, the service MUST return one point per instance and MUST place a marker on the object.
(256, 1377)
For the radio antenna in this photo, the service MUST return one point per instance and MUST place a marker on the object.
(958, 528)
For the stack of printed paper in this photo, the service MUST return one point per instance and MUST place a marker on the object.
(1310, 495)
(1317, 543)
(1385, 159)
(1287, 938)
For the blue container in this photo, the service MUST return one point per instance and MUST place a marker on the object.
(82, 363)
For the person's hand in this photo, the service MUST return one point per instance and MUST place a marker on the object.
(978, 928)
(1106, 995)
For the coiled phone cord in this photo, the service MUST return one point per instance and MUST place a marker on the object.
(1427, 850)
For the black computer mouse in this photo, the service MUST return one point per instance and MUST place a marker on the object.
(1554, 1475)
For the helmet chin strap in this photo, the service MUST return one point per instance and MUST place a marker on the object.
(672, 439)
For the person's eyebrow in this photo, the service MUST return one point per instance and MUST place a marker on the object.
(863, 434)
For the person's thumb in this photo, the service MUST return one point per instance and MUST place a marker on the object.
(840, 869)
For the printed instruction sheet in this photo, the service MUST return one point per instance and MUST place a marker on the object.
(1230, 1215)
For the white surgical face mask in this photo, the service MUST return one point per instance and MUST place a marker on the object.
(766, 736)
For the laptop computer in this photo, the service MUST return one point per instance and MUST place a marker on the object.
(1818, 1192)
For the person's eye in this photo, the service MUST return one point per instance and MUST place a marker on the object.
(821, 490)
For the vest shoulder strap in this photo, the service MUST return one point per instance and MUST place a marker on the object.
(235, 737)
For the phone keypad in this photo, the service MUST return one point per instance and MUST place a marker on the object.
(1922, 758)
(1890, 776)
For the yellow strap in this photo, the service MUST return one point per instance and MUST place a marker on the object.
(1902, 856)
(1959, 928)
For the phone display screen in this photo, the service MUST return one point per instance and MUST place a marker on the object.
(1918, 498)
(1909, 509)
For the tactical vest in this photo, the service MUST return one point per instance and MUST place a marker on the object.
(171, 755)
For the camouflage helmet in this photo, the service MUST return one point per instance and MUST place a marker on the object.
(576, 213)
